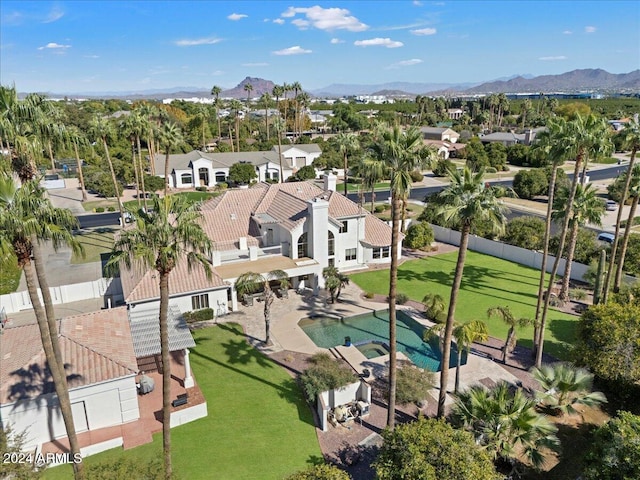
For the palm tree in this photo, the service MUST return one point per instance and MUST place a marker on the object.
(371, 171)
(631, 135)
(169, 234)
(563, 386)
(587, 208)
(506, 423)
(399, 150)
(265, 100)
(347, 143)
(296, 87)
(434, 305)
(507, 317)
(236, 106)
(215, 91)
(169, 136)
(465, 201)
(148, 112)
(334, 281)
(465, 335)
(303, 101)
(26, 218)
(634, 192)
(248, 88)
(77, 138)
(251, 282)
(278, 125)
(102, 130)
(131, 127)
(583, 138)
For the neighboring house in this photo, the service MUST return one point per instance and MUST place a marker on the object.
(440, 134)
(455, 113)
(445, 149)
(201, 169)
(511, 138)
(296, 227)
(101, 366)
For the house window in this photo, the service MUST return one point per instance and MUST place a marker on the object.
(383, 252)
(301, 161)
(203, 175)
(332, 244)
(344, 228)
(332, 262)
(350, 254)
(302, 246)
(198, 302)
(186, 178)
(220, 177)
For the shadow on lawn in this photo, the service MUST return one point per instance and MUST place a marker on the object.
(495, 272)
(240, 352)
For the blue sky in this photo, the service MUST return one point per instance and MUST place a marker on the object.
(99, 46)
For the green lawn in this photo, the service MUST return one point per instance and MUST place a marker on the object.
(9, 276)
(95, 244)
(354, 187)
(191, 197)
(487, 282)
(258, 426)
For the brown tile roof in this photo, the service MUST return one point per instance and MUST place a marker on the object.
(376, 232)
(140, 285)
(97, 347)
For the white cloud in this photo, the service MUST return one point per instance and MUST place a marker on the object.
(237, 16)
(326, 18)
(54, 46)
(335, 41)
(258, 64)
(404, 63)
(279, 21)
(417, 3)
(300, 23)
(567, 32)
(55, 14)
(589, 29)
(197, 41)
(378, 42)
(553, 58)
(297, 50)
(424, 31)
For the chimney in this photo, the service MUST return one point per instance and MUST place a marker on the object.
(528, 137)
(318, 226)
(329, 182)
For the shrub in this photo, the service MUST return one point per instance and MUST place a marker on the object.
(416, 176)
(577, 294)
(111, 209)
(443, 167)
(320, 472)
(99, 209)
(201, 189)
(379, 208)
(125, 468)
(490, 170)
(419, 235)
(325, 373)
(529, 183)
(401, 298)
(198, 315)
(413, 384)
(222, 186)
(307, 172)
(369, 295)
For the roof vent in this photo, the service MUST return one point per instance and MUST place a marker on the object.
(233, 216)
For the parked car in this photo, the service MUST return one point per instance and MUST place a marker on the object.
(606, 237)
(611, 205)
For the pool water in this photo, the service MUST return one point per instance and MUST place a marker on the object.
(373, 329)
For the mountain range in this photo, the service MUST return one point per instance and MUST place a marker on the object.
(577, 80)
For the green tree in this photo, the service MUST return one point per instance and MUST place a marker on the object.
(587, 208)
(525, 232)
(608, 336)
(371, 171)
(504, 313)
(465, 201)
(505, 422)
(497, 155)
(614, 453)
(433, 305)
(242, 173)
(429, 450)
(26, 219)
(215, 91)
(169, 136)
(419, 235)
(12, 443)
(348, 143)
(308, 172)
(169, 234)
(399, 150)
(251, 282)
(334, 281)
(320, 472)
(475, 155)
(530, 183)
(465, 335)
(563, 386)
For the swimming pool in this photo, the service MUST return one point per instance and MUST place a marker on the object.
(328, 332)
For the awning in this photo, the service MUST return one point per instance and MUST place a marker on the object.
(145, 331)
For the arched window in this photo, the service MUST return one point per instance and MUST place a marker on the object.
(302, 246)
(332, 243)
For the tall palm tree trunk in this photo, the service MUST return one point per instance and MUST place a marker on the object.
(448, 332)
(53, 162)
(114, 180)
(55, 367)
(141, 165)
(614, 246)
(573, 238)
(166, 374)
(373, 198)
(393, 287)
(625, 242)
(545, 254)
(346, 176)
(458, 362)
(166, 171)
(268, 300)
(135, 169)
(80, 174)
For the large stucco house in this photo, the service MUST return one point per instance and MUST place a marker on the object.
(299, 228)
(202, 169)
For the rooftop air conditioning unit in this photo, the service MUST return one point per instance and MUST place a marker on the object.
(363, 408)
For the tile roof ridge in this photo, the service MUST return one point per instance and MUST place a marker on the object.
(86, 347)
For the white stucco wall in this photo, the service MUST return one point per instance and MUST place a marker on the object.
(104, 404)
(217, 301)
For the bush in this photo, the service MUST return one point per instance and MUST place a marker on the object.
(577, 294)
(369, 295)
(325, 373)
(111, 209)
(99, 209)
(379, 208)
(222, 186)
(307, 172)
(416, 176)
(413, 384)
(125, 468)
(529, 183)
(198, 315)
(320, 472)
(419, 235)
(401, 298)
(443, 167)
(490, 170)
(201, 189)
